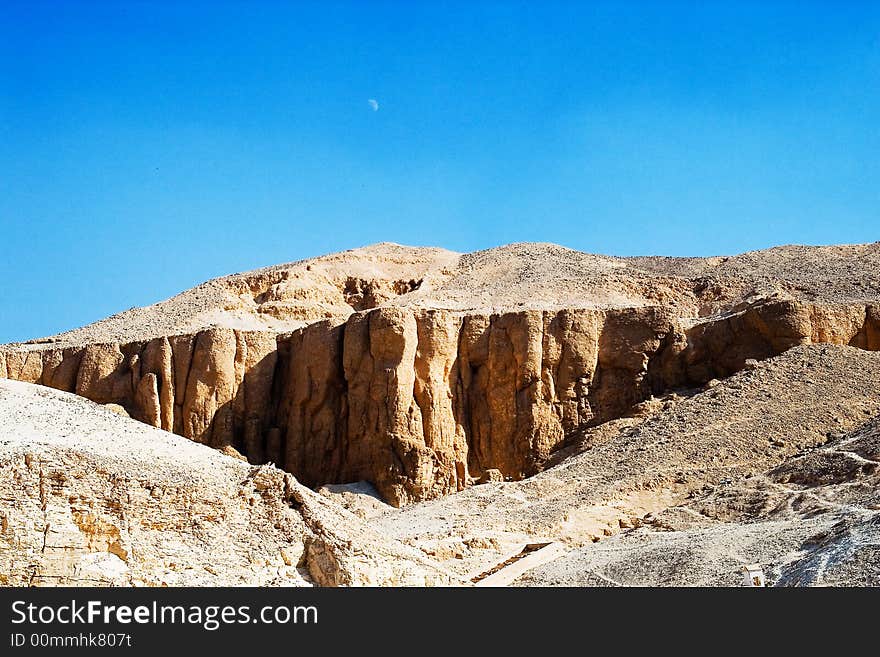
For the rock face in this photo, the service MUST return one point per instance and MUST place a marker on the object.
(422, 398)
(90, 498)
(213, 386)
(423, 402)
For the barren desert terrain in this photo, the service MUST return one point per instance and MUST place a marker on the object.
(399, 415)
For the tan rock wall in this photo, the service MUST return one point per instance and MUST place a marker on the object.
(214, 387)
(423, 402)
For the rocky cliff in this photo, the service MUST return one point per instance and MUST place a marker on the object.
(396, 380)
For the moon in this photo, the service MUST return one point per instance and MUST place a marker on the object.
(373, 103)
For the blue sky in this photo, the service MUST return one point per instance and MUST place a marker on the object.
(146, 147)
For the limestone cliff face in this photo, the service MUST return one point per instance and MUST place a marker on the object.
(213, 387)
(423, 402)
(720, 347)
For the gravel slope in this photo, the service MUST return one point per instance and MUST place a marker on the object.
(721, 436)
(812, 521)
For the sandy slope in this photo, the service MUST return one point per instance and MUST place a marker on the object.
(720, 439)
(814, 520)
(89, 497)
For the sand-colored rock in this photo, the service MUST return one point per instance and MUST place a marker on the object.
(213, 387)
(91, 498)
(650, 408)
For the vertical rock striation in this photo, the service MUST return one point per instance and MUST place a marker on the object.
(214, 387)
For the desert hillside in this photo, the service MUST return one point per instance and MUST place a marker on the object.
(450, 408)
(286, 297)
(789, 444)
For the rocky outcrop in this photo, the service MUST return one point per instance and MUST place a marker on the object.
(214, 387)
(422, 402)
(720, 346)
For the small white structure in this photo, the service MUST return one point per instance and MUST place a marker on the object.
(753, 575)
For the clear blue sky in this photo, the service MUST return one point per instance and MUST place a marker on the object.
(145, 147)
